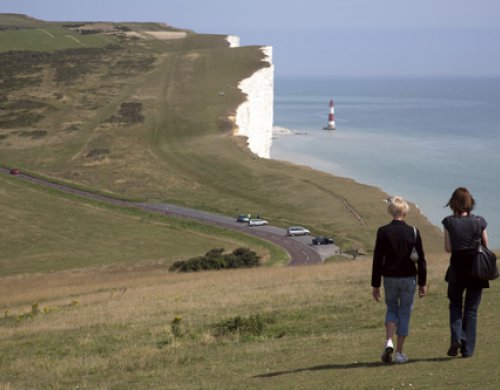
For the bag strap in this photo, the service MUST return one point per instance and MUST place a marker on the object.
(415, 233)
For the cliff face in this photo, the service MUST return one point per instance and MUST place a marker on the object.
(254, 117)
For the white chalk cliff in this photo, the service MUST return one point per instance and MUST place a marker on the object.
(233, 40)
(254, 117)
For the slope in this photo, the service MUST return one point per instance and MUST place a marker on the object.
(145, 117)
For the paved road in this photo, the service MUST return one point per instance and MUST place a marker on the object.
(300, 249)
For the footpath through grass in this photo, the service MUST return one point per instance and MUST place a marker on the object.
(275, 328)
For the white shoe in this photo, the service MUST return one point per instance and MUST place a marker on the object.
(400, 358)
(388, 350)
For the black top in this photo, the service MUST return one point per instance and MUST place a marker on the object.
(391, 256)
(464, 233)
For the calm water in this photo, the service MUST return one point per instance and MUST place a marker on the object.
(417, 138)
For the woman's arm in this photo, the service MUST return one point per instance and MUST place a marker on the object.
(484, 238)
(447, 242)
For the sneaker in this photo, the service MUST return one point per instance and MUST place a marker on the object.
(400, 358)
(454, 347)
(387, 355)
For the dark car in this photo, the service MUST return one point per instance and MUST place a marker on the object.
(243, 218)
(321, 240)
(14, 171)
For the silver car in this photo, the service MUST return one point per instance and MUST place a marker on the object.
(297, 231)
(257, 222)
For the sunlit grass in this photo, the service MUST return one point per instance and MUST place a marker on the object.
(145, 326)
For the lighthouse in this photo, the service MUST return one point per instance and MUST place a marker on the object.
(331, 117)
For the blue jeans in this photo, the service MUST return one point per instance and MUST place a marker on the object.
(399, 294)
(463, 315)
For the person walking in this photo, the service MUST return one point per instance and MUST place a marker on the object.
(392, 260)
(462, 231)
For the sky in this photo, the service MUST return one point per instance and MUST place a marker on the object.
(322, 38)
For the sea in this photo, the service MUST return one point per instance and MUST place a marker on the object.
(418, 138)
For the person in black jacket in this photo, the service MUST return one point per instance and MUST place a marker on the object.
(462, 231)
(392, 260)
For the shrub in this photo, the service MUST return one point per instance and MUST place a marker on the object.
(245, 327)
(215, 259)
(129, 113)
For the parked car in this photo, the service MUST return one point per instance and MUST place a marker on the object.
(297, 231)
(14, 171)
(257, 222)
(243, 218)
(322, 240)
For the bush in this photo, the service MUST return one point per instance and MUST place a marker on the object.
(129, 113)
(252, 326)
(215, 259)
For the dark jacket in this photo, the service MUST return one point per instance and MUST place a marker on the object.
(391, 257)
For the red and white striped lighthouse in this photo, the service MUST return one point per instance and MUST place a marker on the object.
(331, 117)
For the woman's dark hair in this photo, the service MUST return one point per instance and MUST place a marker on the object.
(461, 201)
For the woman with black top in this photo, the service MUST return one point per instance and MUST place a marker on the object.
(462, 231)
(392, 260)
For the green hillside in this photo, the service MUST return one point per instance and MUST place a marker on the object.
(45, 231)
(137, 109)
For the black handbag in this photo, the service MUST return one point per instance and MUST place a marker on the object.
(484, 265)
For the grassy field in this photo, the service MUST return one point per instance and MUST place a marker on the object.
(276, 328)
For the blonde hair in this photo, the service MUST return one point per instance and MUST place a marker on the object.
(397, 206)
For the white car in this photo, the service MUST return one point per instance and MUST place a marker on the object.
(297, 231)
(257, 222)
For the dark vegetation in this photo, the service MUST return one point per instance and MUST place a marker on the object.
(98, 153)
(19, 119)
(21, 113)
(129, 113)
(245, 327)
(34, 134)
(19, 69)
(215, 259)
(22, 73)
(85, 28)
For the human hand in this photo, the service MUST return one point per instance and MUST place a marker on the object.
(376, 293)
(422, 290)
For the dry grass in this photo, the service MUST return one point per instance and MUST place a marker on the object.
(105, 328)
(113, 329)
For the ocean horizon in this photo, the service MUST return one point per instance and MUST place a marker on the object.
(416, 137)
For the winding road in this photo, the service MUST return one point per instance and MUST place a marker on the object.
(300, 249)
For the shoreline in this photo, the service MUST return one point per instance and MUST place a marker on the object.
(332, 169)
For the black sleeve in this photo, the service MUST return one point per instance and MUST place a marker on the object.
(378, 262)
